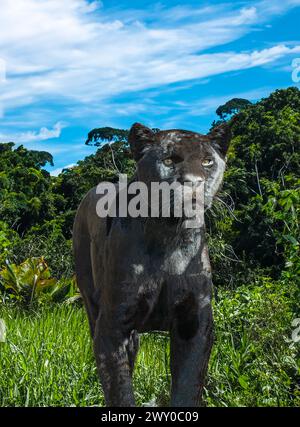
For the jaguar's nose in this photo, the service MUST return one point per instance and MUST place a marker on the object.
(194, 179)
(194, 184)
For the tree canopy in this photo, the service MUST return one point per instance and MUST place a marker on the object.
(234, 106)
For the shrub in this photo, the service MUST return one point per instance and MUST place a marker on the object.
(30, 283)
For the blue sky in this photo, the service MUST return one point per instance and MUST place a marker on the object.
(69, 66)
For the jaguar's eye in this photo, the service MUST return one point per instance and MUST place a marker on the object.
(207, 163)
(168, 162)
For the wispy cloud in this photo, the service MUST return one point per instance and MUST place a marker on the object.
(184, 112)
(31, 136)
(76, 50)
(208, 105)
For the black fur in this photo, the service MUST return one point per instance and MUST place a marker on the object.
(145, 274)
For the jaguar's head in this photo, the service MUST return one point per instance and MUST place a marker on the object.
(182, 156)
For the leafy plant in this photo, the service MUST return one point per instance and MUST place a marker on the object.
(31, 282)
(28, 281)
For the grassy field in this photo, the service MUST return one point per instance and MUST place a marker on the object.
(47, 358)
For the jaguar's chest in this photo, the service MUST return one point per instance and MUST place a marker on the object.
(176, 259)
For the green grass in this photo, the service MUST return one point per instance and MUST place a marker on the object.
(47, 358)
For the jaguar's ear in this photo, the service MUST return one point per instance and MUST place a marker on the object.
(139, 138)
(220, 138)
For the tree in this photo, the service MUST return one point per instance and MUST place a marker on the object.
(106, 134)
(26, 196)
(232, 107)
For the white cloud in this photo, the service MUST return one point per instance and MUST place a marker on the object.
(185, 112)
(76, 50)
(31, 136)
(209, 105)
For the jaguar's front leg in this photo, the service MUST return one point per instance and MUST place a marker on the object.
(191, 342)
(114, 365)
